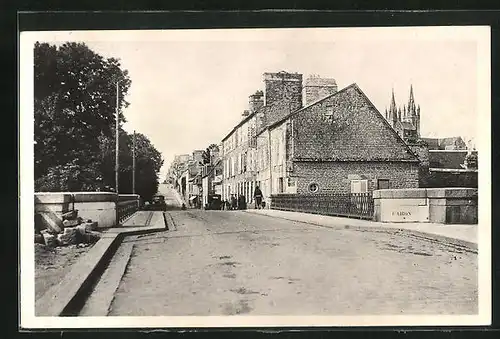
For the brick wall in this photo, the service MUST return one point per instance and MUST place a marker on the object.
(316, 88)
(282, 85)
(335, 177)
(346, 127)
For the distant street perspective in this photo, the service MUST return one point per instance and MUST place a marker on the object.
(235, 262)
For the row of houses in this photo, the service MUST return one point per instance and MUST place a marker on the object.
(308, 137)
(197, 175)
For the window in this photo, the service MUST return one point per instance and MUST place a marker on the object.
(382, 184)
(359, 186)
(244, 162)
(281, 188)
(329, 113)
(313, 187)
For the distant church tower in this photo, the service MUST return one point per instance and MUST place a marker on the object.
(407, 122)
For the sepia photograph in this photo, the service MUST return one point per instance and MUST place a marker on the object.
(255, 177)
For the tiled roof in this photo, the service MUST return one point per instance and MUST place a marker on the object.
(433, 143)
(442, 143)
(458, 141)
(275, 112)
(447, 159)
(358, 132)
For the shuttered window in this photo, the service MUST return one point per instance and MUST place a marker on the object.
(359, 186)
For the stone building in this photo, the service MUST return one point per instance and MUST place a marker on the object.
(337, 144)
(185, 174)
(311, 138)
(282, 94)
(451, 143)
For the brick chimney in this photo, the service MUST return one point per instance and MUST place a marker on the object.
(283, 85)
(316, 88)
(255, 101)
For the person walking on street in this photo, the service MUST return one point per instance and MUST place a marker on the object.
(257, 195)
(233, 202)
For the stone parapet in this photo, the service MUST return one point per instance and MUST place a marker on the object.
(435, 205)
(96, 206)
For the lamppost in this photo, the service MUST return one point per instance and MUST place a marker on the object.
(133, 164)
(117, 163)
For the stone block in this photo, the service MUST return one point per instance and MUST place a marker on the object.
(404, 193)
(81, 229)
(89, 226)
(49, 239)
(403, 210)
(70, 215)
(71, 223)
(51, 221)
(68, 237)
(39, 239)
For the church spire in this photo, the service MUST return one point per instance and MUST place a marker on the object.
(393, 114)
(411, 105)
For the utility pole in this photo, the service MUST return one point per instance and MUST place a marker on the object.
(117, 163)
(133, 164)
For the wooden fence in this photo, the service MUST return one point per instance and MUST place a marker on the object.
(352, 205)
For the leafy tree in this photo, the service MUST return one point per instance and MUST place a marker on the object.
(207, 154)
(148, 164)
(74, 105)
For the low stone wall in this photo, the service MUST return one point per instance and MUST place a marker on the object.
(435, 205)
(97, 206)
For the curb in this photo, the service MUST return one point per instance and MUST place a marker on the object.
(68, 296)
(463, 244)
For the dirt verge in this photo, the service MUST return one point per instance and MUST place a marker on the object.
(52, 264)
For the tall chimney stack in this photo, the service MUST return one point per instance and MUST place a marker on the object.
(283, 85)
(256, 101)
(316, 88)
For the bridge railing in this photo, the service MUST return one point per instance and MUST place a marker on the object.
(352, 205)
(126, 209)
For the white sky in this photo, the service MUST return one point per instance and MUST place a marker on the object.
(190, 87)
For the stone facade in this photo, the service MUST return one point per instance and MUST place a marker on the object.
(238, 153)
(336, 177)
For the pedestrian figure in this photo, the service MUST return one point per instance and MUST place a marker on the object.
(257, 195)
(234, 202)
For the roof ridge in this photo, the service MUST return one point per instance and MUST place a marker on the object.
(307, 106)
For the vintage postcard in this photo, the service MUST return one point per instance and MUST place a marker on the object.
(255, 177)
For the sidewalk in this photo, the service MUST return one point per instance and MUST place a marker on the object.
(463, 235)
(64, 298)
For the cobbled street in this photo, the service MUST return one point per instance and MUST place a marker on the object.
(234, 262)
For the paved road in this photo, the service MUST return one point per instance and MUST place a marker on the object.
(171, 196)
(233, 262)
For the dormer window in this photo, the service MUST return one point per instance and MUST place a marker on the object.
(329, 113)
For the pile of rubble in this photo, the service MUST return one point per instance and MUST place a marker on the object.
(74, 231)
